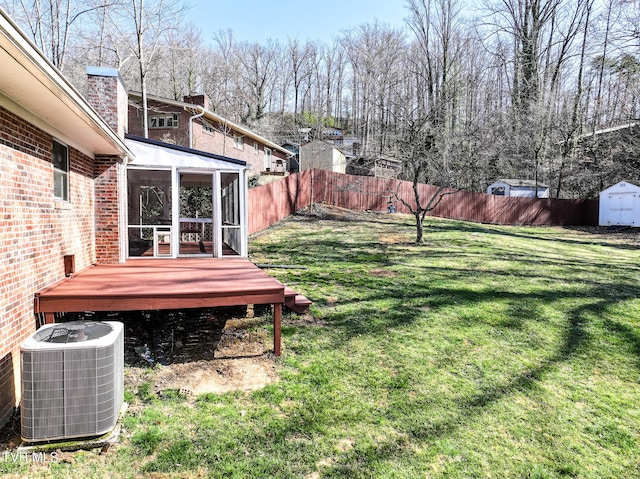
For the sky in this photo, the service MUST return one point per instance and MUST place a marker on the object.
(260, 20)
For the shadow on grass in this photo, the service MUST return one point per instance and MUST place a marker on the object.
(315, 412)
(366, 456)
(284, 446)
(409, 306)
(629, 335)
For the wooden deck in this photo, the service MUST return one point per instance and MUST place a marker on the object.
(153, 284)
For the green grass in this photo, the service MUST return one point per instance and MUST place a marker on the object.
(504, 352)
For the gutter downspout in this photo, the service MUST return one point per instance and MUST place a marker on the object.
(197, 115)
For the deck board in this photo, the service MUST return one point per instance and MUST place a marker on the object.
(154, 284)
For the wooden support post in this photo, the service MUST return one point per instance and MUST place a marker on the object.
(277, 320)
(49, 318)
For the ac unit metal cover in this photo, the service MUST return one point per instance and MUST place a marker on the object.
(73, 385)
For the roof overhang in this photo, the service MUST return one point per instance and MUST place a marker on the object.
(32, 88)
(216, 118)
(517, 183)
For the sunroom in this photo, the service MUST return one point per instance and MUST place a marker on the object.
(184, 203)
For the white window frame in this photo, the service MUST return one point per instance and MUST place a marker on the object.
(60, 174)
(267, 161)
(255, 148)
(238, 142)
(208, 128)
(164, 121)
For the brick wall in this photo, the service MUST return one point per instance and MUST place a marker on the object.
(107, 215)
(36, 231)
(107, 94)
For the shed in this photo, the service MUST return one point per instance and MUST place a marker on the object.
(518, 188)
(620, 205)
(322, 155)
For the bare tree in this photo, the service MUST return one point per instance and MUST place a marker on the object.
(375, 52)
(141, 24)
(257, 72)
(50, 23)
(179, 65)
(299, 59)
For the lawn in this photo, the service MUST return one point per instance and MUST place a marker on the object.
(489, 351)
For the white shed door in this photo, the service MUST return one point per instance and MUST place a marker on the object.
(621, 208)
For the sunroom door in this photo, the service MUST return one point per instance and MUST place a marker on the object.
(196, 234)
(231, 203)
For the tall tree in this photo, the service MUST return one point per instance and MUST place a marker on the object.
(50, 23)
(257, 72)
(142, 24)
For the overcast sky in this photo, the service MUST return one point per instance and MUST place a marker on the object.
(259, 20)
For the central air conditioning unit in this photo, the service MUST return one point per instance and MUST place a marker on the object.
(72, 380)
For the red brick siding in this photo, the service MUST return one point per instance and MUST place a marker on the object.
(36, 231)
(106, 210)
(109, 98)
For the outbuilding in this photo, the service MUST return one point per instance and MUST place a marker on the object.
(620, 205)
(518, 188)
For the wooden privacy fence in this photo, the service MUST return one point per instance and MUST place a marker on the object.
(273, 202)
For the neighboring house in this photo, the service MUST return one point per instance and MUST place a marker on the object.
(293, 165)
(60, 169)
(518, 188)
(620, 205)
(333, 136)
(191, 123)
(322, 155)
(379, 167)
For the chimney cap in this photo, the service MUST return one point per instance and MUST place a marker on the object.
(103, 72)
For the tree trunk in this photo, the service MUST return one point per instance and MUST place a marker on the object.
(419, 228)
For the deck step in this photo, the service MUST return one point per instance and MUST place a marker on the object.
(296, 302)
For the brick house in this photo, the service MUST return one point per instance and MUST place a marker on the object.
(72, 191)
(60, 170)
(191, 123)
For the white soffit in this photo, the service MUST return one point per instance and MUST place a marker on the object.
(149, 155)
(32, 88)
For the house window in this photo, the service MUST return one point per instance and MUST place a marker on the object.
(255, 148)
(60, 171)
(207, 128)
(163, 121)
(267, 159)
(238, 142)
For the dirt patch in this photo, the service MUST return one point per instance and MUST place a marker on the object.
(393, 239)
(323, 211)
(383, 273)
(242, 361)
(625, 234)
(238, 357)
(217, 376)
